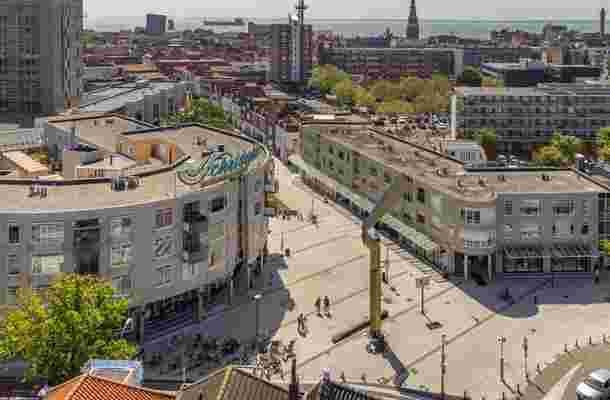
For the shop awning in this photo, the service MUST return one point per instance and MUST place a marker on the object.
(572, 251)
(524, 252)
(408, 232)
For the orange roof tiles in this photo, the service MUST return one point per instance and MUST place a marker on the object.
(89, 387)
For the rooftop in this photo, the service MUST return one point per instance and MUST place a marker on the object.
(450, 175)
(25, 162)
(543, 89)
(112, 98)
(156, 182)
(89, 387)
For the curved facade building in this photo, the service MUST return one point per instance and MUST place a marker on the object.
(117, 208)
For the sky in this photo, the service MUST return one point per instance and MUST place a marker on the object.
(492, 9)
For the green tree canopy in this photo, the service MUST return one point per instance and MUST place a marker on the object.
(345, 92)
(486, 137)
(326, 77)
(79, 322)
(567, 145)
(411, 87)
(471, 77)
(603, 136)
(548, 155)
(202, 111)
(363, 98)
(385, 91)
(395, 107)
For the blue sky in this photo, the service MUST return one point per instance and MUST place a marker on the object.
(496, 9)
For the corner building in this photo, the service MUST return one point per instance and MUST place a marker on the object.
(116, 209)
(495, 223)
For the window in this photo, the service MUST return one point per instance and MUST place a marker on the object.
(585, 229)
(373, 171)
(12, 264)
(121, 284)
(47, 265)
(164, 217)
(387, 178)
(11, 296)
(165, 275)
(531, 231)
(331, 150)
(421, 195)
(13, 234)
(156, 111)
(564, 208)
(508, 231)
(217, 204)
(163, 246)
(530, 208)
(257, 208)
(409, 179)
(586, 208)
(120, 226)
(421, 218)
(472, 217)
(341, 155)
(562, 229)
(407, 196)
(508, 207)
(47, 235)
(258, 185)
(120, 254)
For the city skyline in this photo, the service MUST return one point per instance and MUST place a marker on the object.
(434, 9)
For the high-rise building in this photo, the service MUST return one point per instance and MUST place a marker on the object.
(602, 22)
(171, 25)
(291, 44)
(413, 23)
(155, 24)
(40, 70)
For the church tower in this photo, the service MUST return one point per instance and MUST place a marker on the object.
(413, 24)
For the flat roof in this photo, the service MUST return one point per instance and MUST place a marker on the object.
(25, 162)
(155, 186)
(543, 89)
(449, 175)
(112, 98)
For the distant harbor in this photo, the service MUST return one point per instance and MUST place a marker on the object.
(468, 28)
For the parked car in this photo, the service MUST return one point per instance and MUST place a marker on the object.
(595, 387)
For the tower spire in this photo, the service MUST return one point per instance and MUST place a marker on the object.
(413, 23)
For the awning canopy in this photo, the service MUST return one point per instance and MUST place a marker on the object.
(524, 252)
(572, 251)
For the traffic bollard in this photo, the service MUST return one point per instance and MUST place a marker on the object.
(576, 343)
(590, 340)
(565, 348)
(518, 389)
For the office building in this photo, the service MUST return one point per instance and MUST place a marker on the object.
(523, 117)
(495, 223)
(40, 71)
(413, 23)
(392, 63)
(118, 177)
(171, 25)
(476, 56)
(291, 48)
(523, 74)
(156, 24)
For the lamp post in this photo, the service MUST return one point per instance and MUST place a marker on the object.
(387, 265)
(501, 341)
(257, 300)
(525, 348)
(443, 366)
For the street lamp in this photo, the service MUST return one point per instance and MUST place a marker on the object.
(443, 365)
(501, 341)
(257, 300)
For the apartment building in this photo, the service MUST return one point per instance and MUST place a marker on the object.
(40, 67)
(117, 209)
(523, 117)
(156, 24)
(392, 63)
(490, 222)
(291, 52)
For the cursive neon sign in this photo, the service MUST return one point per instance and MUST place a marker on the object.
(193, 172)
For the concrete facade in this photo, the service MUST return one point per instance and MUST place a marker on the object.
(41, 71)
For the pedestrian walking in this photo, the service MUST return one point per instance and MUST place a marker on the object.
(326, 305)
(317, 304)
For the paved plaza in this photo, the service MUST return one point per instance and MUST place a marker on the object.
(329, 259)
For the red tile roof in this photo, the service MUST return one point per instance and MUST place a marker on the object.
(89, 387)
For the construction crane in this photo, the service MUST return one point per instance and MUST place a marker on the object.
(371, 239)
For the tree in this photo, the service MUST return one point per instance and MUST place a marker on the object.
(440, 84)
(548, 155)
(386, 91)
(79, 322)
(486, 137)
(603, 136)
(326, 77)
(411, 87)
(395, 107)
(470, 77)
(491, 82)
(345, 92)
(567, 145)
(202, 111)
(363, 98)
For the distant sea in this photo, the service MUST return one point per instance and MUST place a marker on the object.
(475, 28)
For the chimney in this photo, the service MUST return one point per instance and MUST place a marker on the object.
(293, 389)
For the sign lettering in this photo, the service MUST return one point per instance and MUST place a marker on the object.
(193, 172)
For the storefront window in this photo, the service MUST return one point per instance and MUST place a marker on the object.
(47, 265)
